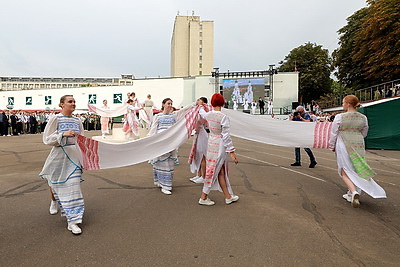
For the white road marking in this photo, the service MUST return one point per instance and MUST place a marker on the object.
(287, 169)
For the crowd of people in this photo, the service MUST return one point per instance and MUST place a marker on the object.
(18, 122)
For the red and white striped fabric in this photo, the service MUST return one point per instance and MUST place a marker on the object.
(322, 133)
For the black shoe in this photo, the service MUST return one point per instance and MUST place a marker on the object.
(296, 164)
(312, 164)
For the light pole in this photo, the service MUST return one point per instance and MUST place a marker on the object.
(271, 71)
(215, 74)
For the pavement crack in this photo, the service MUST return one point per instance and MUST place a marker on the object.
(14, 191)
(312, 208)
(246, 181)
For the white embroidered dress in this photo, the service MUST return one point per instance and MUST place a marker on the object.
(105, 121)
(199, 146)
(348, 132)
(219, 145)
(62, 168)
(163, 165)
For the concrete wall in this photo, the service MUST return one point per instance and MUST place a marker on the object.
(182, 91)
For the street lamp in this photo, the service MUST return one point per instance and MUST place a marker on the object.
(271, 72)
(215, 74)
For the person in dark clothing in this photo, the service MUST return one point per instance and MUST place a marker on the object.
(261, 104)
(301, 115)
(33, 123)
(3, 119)
(14, 119)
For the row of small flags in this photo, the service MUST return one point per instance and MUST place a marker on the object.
(92, 99)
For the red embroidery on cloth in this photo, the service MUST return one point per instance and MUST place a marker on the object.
(89, 148)
(322, 133)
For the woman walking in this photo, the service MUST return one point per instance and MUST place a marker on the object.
(347, 138)
(163, 166)
(197, 157)
(62, 168)
(219, 146)
(105, 121)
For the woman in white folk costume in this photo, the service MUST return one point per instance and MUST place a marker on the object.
(148, 108)
(347, 139)
(131, 125)
(104, 121)
(246, 104)
(62, 168)
(270, 107)
(253, 107)
(197, 158)
(163, 166)
(235, 104)
(219, 146)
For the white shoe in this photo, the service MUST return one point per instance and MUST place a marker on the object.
(194, 179)
(355, 203)
(233, 198)
(165, 191)
(74, 228)
(206, 202)
(53, 207)
(197, 180)
(347, 197)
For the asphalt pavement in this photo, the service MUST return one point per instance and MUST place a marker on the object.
(286, 216)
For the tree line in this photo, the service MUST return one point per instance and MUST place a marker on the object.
(368, 54)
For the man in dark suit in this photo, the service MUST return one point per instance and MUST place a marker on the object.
(14, 119)
(261, 104)
(2, 119)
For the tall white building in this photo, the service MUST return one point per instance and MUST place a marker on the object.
(192, 47)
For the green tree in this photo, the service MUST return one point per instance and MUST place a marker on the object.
(369, 51)
(314, 66)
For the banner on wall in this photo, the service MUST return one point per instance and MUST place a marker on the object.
(28, 101)
(47, 100)
(11, 101)
(92, 99)
(117, 98)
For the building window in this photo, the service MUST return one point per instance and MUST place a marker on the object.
(201, 26)
(200, 65)
(201, 42)
(201, 50)
(201, 34)
(200, 57)
(200, 73)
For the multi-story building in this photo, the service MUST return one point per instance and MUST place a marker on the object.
(192, 47)
(28, 83)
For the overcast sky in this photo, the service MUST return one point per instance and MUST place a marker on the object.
(107, 38)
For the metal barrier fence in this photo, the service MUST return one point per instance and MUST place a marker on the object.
(379, 91)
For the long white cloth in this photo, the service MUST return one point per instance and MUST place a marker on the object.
(267, 130)
(103, 112)
(99, 155)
